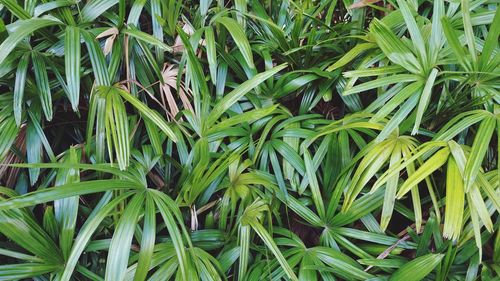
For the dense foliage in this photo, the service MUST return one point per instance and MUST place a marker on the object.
(249, 140)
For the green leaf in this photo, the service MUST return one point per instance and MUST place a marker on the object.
(425, 98)
(26, 270)
(197, 79)
(380, 82)
(149, 113)
(396, 50)
(366, 169)
(454, 43)
(227, 101)
(163, 202)
(491, 41)
(239, 38)
(211, 53)
(15, 9)
(351, 55)
(20, 227)
(94, 8)
(117, 131)
(23, 29)
(413, 29)
(65, 191)
(147, 241)
(469, 33)
(341, 264)
(244, 246)
(478, 151)
(72, 59)
(147, 38)
(119, 249)
(290, 155)
(437, 40)
(66, 210)
(425, 170)
(418, 268)
(247, 117)
(268, 240)
(313, 183)
(49, 6)
(99, 66)
(390, 189)
(19, 86)
(454, 201)
(42, 82)
(98, 214)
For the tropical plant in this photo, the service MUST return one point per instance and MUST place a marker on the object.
(249, 140)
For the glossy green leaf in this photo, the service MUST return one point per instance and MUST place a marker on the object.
(418, 268)
(72, 59)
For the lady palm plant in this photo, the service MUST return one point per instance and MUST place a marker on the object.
(242, 140)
